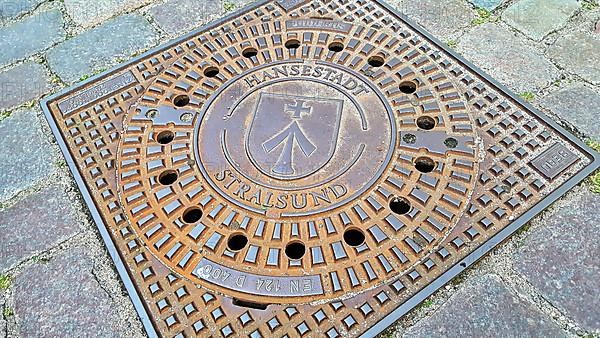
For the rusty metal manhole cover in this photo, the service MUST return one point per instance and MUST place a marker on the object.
(304, 168)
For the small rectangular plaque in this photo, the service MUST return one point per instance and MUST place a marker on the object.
(554, 161)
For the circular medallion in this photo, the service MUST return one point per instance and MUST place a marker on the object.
(296, 178)
(294, 138)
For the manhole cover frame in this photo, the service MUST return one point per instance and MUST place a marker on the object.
(423, 293)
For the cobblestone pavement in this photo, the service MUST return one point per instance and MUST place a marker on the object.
(56, 278)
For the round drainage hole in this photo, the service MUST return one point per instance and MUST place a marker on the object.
(292, 44)
(408, 87)
(376, 61)
(181, 100)
(424, 164)
(400, 205)
(249, 52)
(336, 47)
(211, 72)
(354, 237)
(192, 215)
(295, 250)
(165, 137)
(426, 122)
(237, 242)
(168, 177)
(451, 142)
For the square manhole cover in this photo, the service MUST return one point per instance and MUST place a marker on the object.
(304, 168)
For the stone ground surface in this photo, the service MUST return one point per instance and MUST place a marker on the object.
(56, 278)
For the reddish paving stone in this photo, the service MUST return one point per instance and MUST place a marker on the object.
(22, 84)
(37, 223)
(577, 50)
(441, 18)
(561, 260)
(485, 308)
(576, 104)
(509, 58)
(62, 298)
(178, 16)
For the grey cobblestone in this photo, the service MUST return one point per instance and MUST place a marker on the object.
(89, 13)
(537, 18)
(100, 47)
(561, 260)
(37, 223)
(25, 153)
(577, 50)
(30, 35)
(14, 8)
(23, 83)
(507, 57)
(179, 16)
(442, 18)
(578, 104)
(485, 308)
(62, 298)
(3, 323)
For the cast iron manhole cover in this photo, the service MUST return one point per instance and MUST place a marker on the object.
(304, 168)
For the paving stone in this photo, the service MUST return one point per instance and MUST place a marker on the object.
(89, 13)
(100, 47)
(441, 18)
(577, 51)
(22, 84)
(179, 16)
(62, 298)
(538, 18)
(507, 57)
(35, 224)
(14, 8)
(485, 308)
(24, 152)
(31, 35)
(560, 259)
(487, 4)
(577, 104)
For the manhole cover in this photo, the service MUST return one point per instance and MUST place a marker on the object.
(304, 168)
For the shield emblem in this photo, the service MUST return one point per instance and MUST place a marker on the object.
(291, 137)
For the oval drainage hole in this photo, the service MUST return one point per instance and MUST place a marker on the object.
(354, 237)
(400, 205)
(165, 137)
(295, 250)
(408, 87)
(192, 215)
(181, 100)
(211, 72)
(376, 61)
(426, 122)
(168, 177)
(424, 164)
(237, 242)
(292, 44)
(249, 52)
(336, 47)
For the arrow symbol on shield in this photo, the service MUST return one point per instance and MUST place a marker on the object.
(289, 136)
